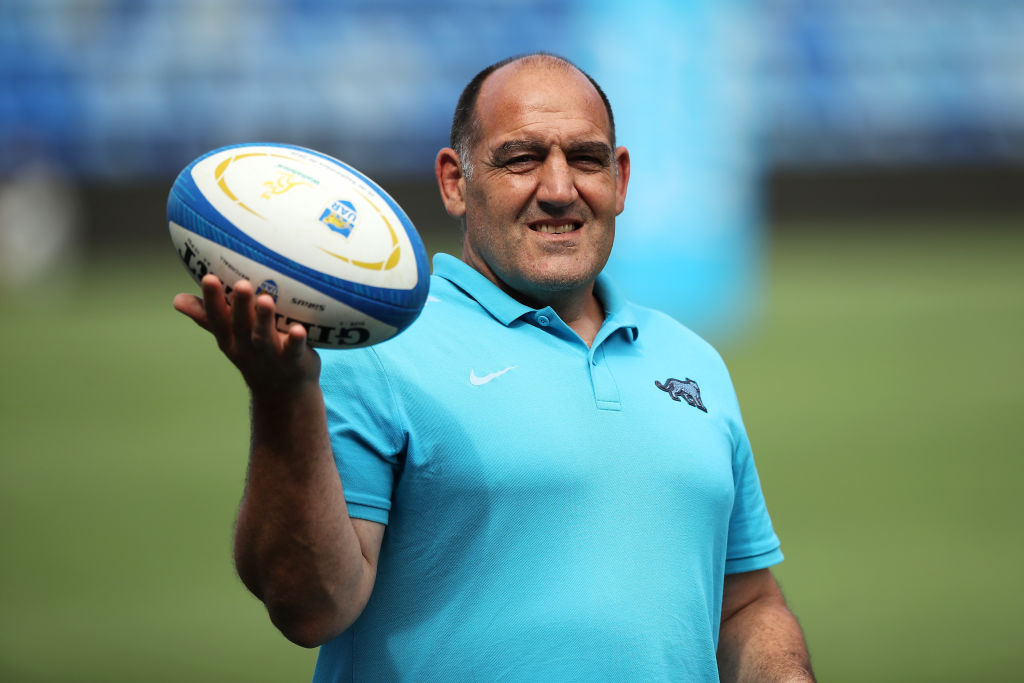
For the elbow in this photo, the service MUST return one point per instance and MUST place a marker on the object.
(314, 614)
(308, 627)
(304, 633)
(309, 602)
(308, 620)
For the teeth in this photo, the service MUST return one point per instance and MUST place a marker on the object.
(555, 229)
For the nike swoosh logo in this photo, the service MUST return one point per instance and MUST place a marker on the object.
(477, 381)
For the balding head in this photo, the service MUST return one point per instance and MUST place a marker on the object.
(465, 124)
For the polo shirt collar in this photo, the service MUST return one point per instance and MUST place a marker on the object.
(499, 304)
(617, 310)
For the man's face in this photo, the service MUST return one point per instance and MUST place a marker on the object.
(540, 206)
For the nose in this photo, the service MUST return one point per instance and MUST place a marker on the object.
(556, 185)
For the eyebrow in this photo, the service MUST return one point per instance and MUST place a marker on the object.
(513, 147)
(590, 148)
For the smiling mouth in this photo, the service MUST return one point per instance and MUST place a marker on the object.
(555, 229)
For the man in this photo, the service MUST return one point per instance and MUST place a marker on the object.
(558, 503)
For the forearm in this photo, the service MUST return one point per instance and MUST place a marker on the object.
(763, 642)
(295, 546)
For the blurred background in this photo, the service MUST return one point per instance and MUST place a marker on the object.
(832, 192)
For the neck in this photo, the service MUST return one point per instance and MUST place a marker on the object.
(586, 320)
(577, 306)
(579, 309)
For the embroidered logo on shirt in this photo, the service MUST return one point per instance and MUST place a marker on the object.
(687, 388)
(477, 381)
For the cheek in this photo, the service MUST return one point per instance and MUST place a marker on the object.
(494, 209)
(600, 195)
(506, 195)
(482, 205)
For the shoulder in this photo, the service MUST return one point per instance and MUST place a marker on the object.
(681, 357)
(432, 333)
(662, 333)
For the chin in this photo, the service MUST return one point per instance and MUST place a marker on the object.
(561, 279)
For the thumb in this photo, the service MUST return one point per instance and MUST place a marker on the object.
(191, 306)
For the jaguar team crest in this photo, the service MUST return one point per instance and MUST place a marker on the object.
(340, 217)
(687, 389)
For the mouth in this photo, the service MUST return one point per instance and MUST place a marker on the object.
(555, 227)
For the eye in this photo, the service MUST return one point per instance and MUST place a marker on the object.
(589, 163)
(521, 162)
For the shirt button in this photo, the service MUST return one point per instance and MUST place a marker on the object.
(543, 320)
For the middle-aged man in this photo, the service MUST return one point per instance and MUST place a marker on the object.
(564, 478)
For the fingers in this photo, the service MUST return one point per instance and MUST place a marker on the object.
(295, 343)
(242, 299)
(234, 323)
(246, 332)
(217, 310)
(264, 330)
(191, 306)
(265, 336)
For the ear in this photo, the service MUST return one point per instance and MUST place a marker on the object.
(621, 178)
(451, 181)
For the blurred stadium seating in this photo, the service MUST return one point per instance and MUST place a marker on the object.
(883, 81)
(866, 105)
(123, 90)
(120, 90)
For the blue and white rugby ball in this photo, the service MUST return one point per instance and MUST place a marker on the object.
(338, 254)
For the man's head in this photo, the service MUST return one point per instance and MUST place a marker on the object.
(538, 181)
(465, 126)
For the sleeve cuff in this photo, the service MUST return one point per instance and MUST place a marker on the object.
(372, 514)
(739, 565)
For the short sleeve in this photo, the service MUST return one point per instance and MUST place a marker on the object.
(752, 542)
(366, 435)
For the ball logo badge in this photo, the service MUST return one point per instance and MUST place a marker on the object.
(340, 217)
(267, 287)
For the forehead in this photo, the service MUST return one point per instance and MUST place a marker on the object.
(540, 100)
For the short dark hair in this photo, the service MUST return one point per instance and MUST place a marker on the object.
(464, 122)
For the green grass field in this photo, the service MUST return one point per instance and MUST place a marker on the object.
(882, 385)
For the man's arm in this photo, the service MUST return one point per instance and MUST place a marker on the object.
(760, 639)
(295, 546)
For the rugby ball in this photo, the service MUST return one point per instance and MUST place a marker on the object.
(338, 254)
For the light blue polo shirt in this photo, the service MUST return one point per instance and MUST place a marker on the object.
(555, 512)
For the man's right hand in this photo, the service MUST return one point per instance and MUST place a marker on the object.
(271, 361)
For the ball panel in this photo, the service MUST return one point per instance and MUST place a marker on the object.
(313, 210)
(392, 307)
(328, 322)
(189, 206)
(337, 252)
